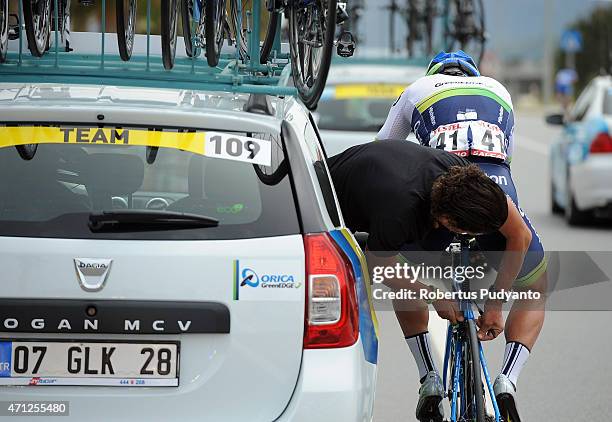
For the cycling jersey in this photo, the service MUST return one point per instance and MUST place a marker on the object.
(467, 116)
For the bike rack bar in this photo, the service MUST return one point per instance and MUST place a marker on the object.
(56, 32)
(146, 70)
(254, 35)
(103, 33)
(148, 34)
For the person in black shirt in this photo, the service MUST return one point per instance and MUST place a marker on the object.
(385, 189)
(413, 198)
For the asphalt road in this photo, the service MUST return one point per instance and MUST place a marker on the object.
(568, 376)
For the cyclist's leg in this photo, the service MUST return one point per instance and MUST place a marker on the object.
(413, 317)
(526, 317)
(414, 324)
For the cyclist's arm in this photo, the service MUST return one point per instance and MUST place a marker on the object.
(518, 238)
(399, 121)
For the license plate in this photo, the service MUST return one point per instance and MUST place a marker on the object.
(112, 363)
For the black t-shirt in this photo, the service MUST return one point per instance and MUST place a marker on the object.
(384, 188)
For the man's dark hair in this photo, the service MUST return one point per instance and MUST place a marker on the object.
(469, 199)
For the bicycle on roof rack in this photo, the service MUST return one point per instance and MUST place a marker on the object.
(42, 16)
(207, 24)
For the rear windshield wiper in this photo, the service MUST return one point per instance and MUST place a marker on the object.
(125, 220)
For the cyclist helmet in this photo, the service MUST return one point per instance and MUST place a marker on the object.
(458, 64)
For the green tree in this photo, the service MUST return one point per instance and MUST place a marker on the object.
(596, 55)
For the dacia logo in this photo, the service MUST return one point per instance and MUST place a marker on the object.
(92, 272)
(96, 266)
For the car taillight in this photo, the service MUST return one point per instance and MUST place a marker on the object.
(332, 312)
(601, 144)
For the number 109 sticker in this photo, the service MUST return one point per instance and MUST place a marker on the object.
(238, 148)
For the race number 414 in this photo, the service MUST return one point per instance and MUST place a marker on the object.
(238, 148)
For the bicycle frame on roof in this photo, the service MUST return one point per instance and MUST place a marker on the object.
(231, 75)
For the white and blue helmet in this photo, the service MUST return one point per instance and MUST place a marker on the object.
(458, 59)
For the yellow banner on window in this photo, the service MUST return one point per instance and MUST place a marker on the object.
(348, 91)
(20, 135)
(228, 146)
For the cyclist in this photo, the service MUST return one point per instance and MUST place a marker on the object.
(455, 109)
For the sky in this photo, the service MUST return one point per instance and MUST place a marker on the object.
(516, 28)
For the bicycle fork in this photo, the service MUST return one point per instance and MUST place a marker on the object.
(452, 389)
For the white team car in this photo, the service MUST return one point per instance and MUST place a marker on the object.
(176, 255)
(581, 159)
(357, 99)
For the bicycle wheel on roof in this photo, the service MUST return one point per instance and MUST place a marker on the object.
(126, 27)
(37, 17)
(214, 28)
(169, 29)
(4, 24)
(312, 25)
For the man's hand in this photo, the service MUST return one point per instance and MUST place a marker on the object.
(491, 322)
(448, 309)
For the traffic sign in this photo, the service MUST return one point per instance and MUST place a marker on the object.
(571, 41)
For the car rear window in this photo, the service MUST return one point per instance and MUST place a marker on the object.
(355, 107)
(51, 189)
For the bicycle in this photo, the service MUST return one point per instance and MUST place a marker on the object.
(312, 26)
(125, 18)
(464, 26)
(464, 356)
(419, 17)
(40, 19)
(204, 25)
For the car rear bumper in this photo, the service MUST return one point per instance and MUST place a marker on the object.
(334, 385)
(591, 181)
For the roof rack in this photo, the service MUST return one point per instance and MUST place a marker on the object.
(103, 66)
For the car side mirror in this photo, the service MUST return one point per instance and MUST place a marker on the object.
(555, 119)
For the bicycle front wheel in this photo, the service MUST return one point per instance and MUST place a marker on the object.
(169, 28)
(187, 21)
(126, 27)
(473, 391)
(214, 26)
(37, 16)
(4, 24)
(312, 28)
